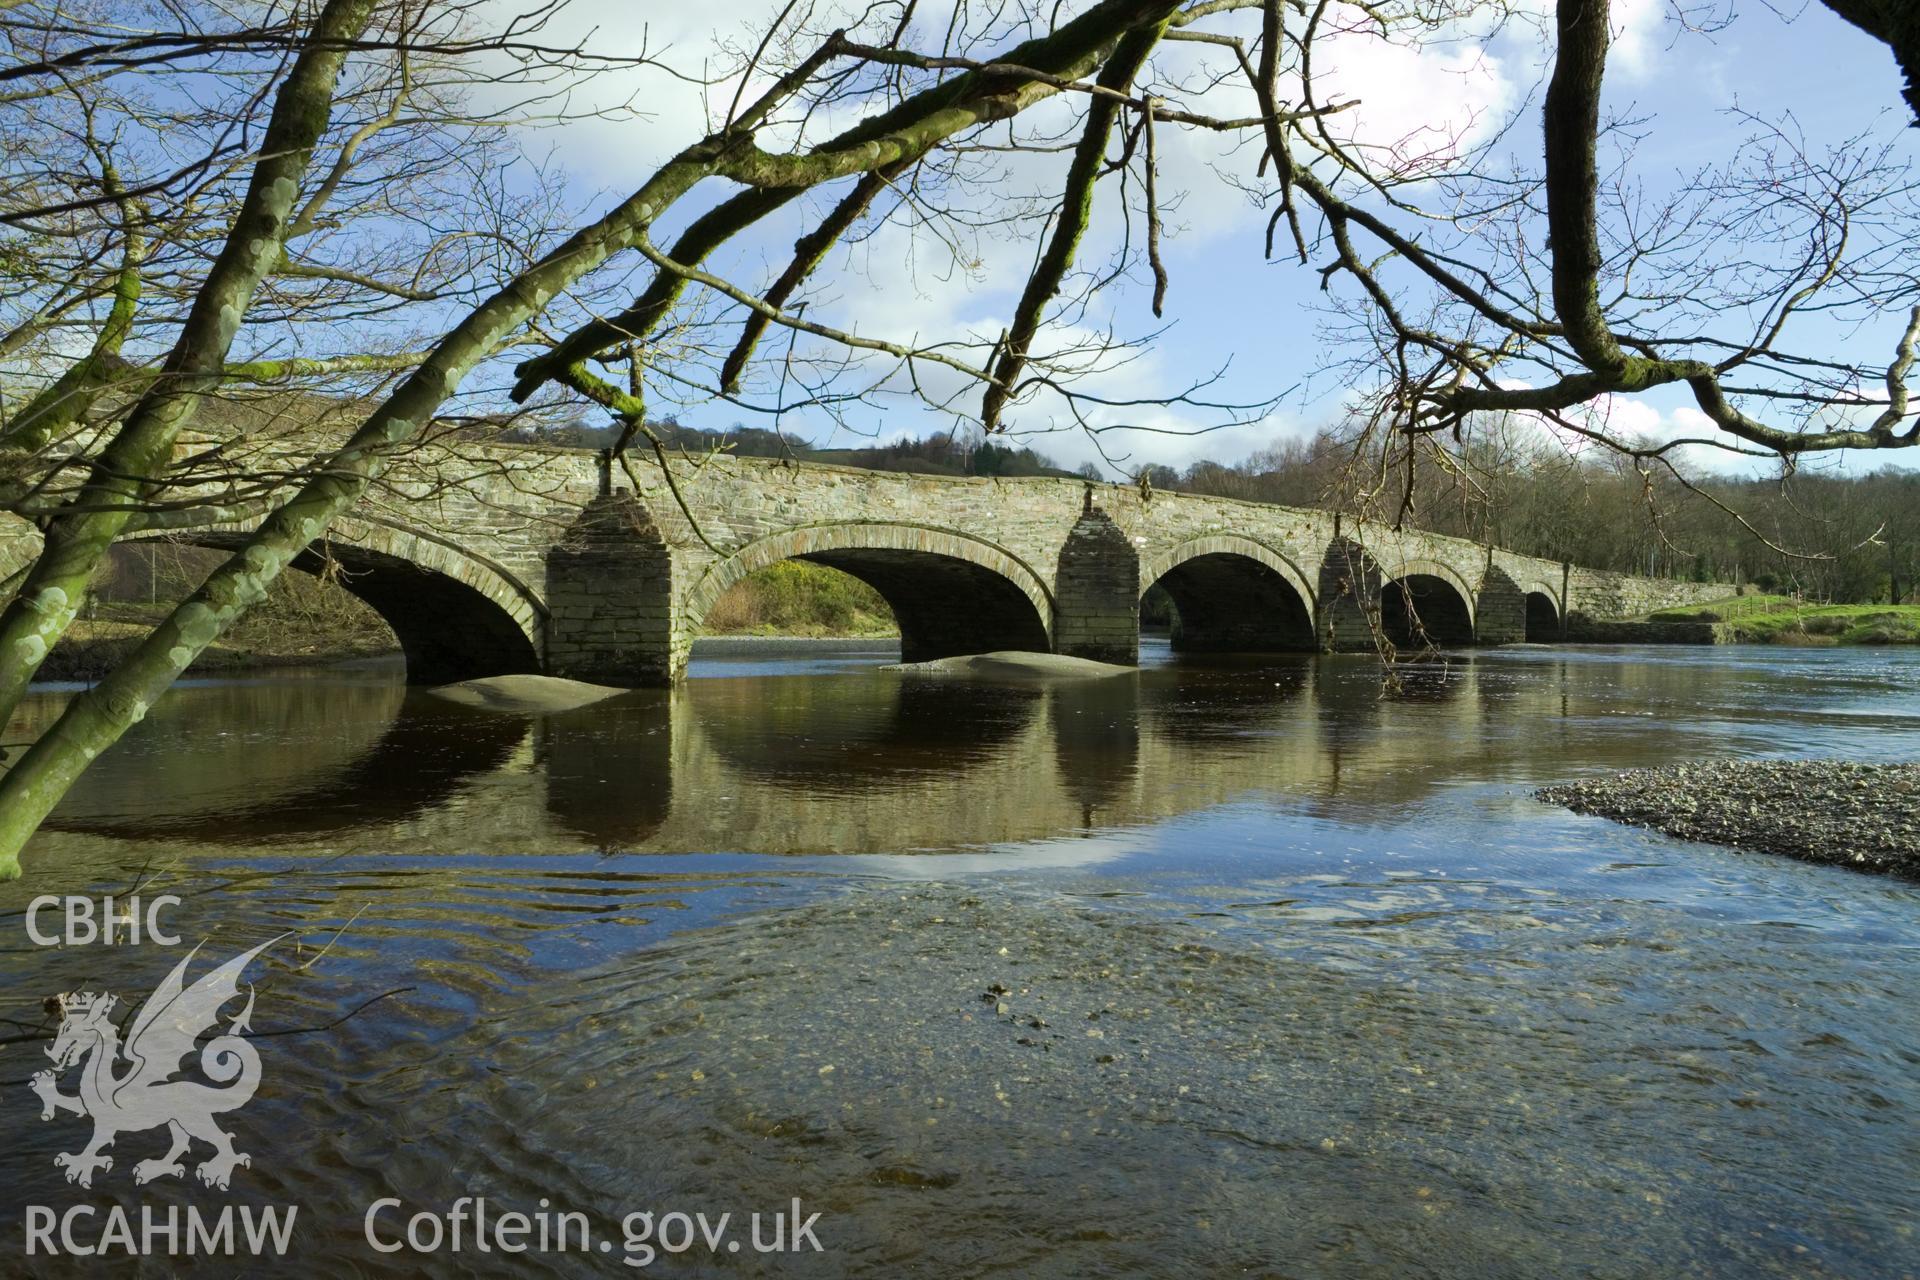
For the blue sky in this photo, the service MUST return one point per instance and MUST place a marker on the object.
(1228, 307)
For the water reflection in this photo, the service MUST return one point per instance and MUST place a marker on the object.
(851, 734)
(1095, 730)
(608, 769)
(1296, 980)
(865, 761)
(265, 761)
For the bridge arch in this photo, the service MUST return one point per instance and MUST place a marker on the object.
(1424, 600)
(1546, 615)
(950, 593)
(456, 616)
(1541, 587)
(1234, 594)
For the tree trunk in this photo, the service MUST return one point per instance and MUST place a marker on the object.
(96, 719)
(142, 448)
(1895, 23)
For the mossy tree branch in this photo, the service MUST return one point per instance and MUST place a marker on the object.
(142, 446)
(68, 398)
(892, 139)
(1896, 24)
(808, 252)
(1076, 213)
(96, 719)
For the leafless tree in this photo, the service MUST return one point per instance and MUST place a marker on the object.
(1540, 290)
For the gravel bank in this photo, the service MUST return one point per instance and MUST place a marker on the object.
(1864, 816)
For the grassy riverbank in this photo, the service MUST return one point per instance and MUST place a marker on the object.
(303, 621)
(1764, 619)
(92, 647)
(796, 598)
(306, 622)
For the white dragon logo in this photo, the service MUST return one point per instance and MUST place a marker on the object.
(144, 1096)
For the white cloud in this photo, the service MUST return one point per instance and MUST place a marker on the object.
(1643, 30)
(906, 284)
(1642, 420)
(1640, 36)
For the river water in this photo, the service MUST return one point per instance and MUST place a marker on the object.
(1220, 970)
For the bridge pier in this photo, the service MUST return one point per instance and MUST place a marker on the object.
(1349, 588)
(1500, 614)
(611, 616)
(1096, 609)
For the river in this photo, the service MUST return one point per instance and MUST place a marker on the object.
(1248, 969)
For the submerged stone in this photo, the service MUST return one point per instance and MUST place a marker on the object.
(524, 694)
(1008, 664)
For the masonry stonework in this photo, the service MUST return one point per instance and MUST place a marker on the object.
(1500, 613)
(612, 588)
(610, 615)
(1097, 591)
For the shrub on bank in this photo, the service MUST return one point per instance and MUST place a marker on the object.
(796, 597)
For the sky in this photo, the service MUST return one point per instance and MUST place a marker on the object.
(1262, 326)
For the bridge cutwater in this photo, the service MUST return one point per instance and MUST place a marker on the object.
(499, 560)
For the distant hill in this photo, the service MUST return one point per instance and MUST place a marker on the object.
(935, 456)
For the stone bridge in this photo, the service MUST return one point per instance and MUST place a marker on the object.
(489, 561)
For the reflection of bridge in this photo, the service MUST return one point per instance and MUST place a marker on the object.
(854, 763)
(510, 560)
